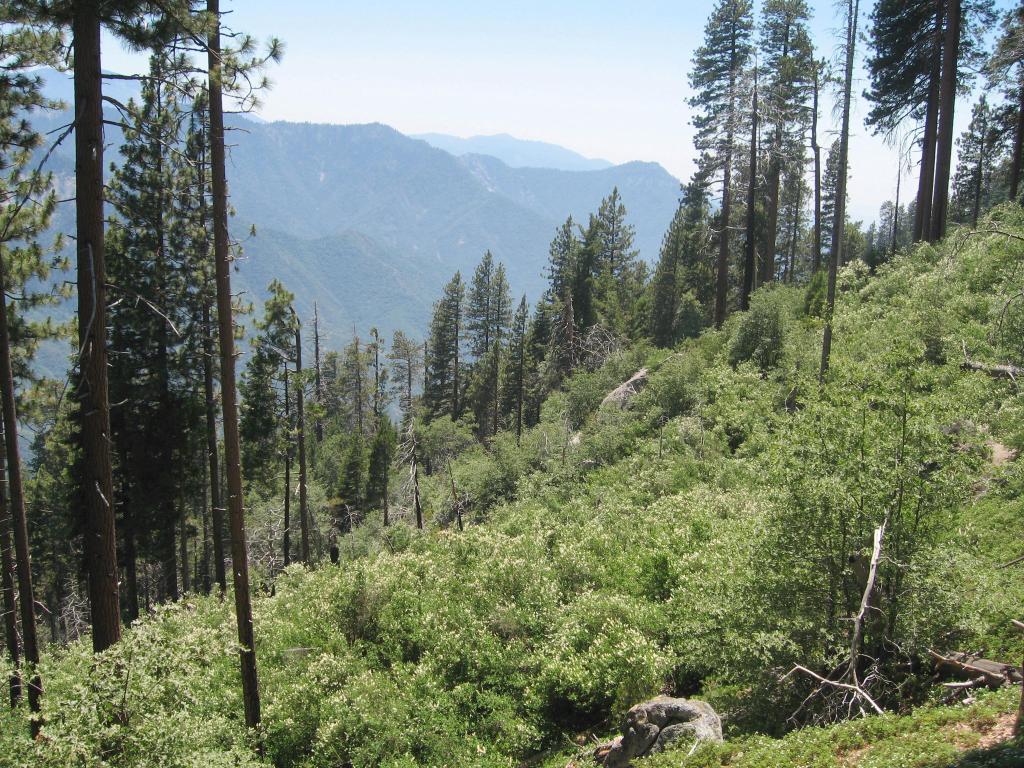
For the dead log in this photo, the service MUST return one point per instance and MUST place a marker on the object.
(995, 674)
(995, 370)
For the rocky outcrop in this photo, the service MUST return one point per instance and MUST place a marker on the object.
(622, 395)
(650, 727)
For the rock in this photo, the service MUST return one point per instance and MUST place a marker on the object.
(622, 395)
(651, 726)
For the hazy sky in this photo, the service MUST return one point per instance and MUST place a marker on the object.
(606, 79)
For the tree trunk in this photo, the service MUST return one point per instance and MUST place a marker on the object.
(896, 212)
(750, 264)
(318, 426)
(131, 571)
(10, 602)
(923, 210)
(232, 449)
(287, 538)
(979, 175)
(947, 107)
(1018, 145)
(816, 148)
(791, 262)
(94, 407)
(839, 223)
(300, 413)
(216, 508)
(26, 601)
(186, 584)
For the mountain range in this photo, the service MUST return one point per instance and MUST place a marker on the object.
(370, 223)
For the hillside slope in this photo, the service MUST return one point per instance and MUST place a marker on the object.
(702, 540)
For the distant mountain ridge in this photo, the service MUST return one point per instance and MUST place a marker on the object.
(516, 153)
(370, 223)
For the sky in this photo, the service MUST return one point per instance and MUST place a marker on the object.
(605, 79)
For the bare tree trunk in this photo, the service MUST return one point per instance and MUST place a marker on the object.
(216, 508)
(186, 584)
(318, 426)
(287, 538)
(300, 412)
(896, 212)
(947, 107)
(232, 448)
(1018, 146)
(816, 148)
(750, 264)
(979, 172)
(923, 210)
(26, 601)
(839, 223)
(94, 407)
(10, 602)
(131, 569)
(791, 262)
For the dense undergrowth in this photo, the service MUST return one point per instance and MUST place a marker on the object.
(703, 540)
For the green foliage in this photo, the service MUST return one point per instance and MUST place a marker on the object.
(760, 336)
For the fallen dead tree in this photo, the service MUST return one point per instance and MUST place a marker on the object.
(995, 370)
(974, 671)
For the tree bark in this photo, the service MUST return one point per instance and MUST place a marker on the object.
(839, 223)
(318, 426)
(300, 413)
(947, 107)
(10, 602)
(94, 406)
(816, 149)
(923, 210)
(750, 264)
(26, 601)
(216, 508)
(1018, 146)
(232, 448)
(286, 543)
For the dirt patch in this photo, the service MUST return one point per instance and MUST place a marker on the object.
(853, 757)
(1000, 731)
(1001, 454)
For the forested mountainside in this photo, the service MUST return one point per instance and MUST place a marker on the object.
(572, 572)
(369, 223)
(754, 502)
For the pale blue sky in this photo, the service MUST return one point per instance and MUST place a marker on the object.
(606, 79)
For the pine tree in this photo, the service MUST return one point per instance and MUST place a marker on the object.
(909, 42)
(717, 76)
(516, 370)
(442, 391)
(683, 269)
(839, 213)
(406, 361)
(356, 390)
(1009, 55)
(260, 425)
(616, 272)
(829, 190)
(26, 208)
(148, 376)
(980, 149)
(787, 56)
(382, 452)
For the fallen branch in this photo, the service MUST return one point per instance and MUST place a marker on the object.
(995, 370)
(855, 689)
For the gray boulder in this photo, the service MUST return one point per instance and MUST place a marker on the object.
(651, 726)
